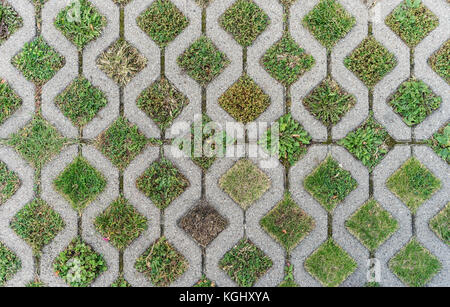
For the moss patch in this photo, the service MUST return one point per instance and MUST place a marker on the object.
(163, 22)
(80, 101)
(330, 184)
(245, 183)
(162, 182)
(328, 102)
(203, 61)
(245, 101)
(245, 21)
(287, 223)
(330, 264)
(245, 263)
(370, 62)
(162, 263)
(38, 224)
(413, 184)
(162, 102)
(121, 142)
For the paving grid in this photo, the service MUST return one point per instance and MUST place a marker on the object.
(162, 62)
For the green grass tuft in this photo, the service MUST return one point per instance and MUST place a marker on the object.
(80, 183)
(412, 21)
(413, 184)
(372, 225)
(440, 142)
(369, 143)
(245, 21)
(286, 61)
(328, 102)
(245, 263)
(122, 142)
(202, 61)
(79, 265)
(163, 22)
(245, 101)
(245, 183)
(80, 22)
(121, 283)
(9, 101)
(204, 283)
(9, 264)
(440, 61)
(9, 183)
(38, 61)
(440, 224)
(370, 62)
(287, 223)
(162, 102)
(329, 22)
(10, 21)
(120, 223)
(162, 182)
(330, 184)
(330, 264)
(37, 142)
(162, 263)
(80, 101)
(38, 224)
(414, 264)
(414, 101)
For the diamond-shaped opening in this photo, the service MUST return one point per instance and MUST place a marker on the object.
(10, 183)
(245, 21)
(440, 61)
(80, 183)
(10, 21)
(162, 182)
(414, 264)
(79, 264)
(245, 101)
(372, 225)
(161, 263)
(38, 61)
(203, 61)
(329, 22)
(245, 263)
(38, 224)
(121, 62)
(81, 101)
(10, 102)
(291, 140)
(245, 183)
(414, 101)
(370, 62)
(10, 264)
(121, 142)
(203, 223)
(37, 142)
(440, 224)
(120, 223)
(286, 62)
(288, 223)
(328, 102)
(330, 184)
(412, 21)
(163, 22)
(369, 143)
(80, 22)
(330, 264)
(162, 102)
(440, 142)
(413, 184)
